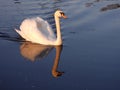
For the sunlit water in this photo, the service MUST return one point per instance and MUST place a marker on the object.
(88, 60)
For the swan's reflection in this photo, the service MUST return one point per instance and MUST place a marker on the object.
(33, 51)
(56, 73)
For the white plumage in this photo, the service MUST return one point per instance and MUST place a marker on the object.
(39, 31)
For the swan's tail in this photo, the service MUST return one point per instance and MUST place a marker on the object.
(20, 33)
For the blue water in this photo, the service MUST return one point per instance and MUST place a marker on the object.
(88, 60)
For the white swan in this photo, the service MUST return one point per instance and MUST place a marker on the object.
(39, 31)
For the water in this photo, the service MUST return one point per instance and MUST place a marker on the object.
(88, 60)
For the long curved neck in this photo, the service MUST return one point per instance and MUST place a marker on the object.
(59, 38)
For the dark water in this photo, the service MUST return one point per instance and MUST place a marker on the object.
(88, 60)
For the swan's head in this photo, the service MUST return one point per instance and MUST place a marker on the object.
(60, 14)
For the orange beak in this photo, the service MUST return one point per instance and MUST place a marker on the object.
(64, 16)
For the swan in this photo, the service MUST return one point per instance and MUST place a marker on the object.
(37, 30)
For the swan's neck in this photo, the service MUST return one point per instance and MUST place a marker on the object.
(59, 38)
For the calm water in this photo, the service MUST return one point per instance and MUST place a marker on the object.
(88, 60)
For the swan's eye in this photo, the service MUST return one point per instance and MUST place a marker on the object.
(62, 13)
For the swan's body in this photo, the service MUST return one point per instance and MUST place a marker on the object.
(39, 31)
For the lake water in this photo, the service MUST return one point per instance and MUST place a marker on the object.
(88, 60)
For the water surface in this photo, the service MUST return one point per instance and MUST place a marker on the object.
(88, 60)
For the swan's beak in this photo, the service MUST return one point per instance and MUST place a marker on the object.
(64, 16)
